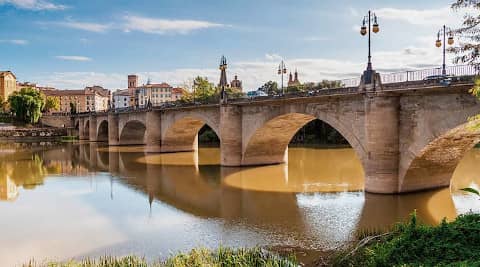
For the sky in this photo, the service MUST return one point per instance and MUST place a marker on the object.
(71, 44)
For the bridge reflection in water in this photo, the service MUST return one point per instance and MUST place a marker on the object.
(158, 203)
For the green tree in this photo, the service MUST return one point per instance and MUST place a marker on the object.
(51, 104)
(327, 84)
(27, 105)
(270, 87)
(73, 108)
(468, 49)
(3, 105)
(203, 90)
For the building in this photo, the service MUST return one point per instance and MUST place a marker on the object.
(153, 93)
(8, 84)
(236, 83)
(178, 93)
(121, 99)
(132, 86)
(25, 85)
(94, 98)
(293, 81)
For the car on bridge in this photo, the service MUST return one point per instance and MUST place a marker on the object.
(255, 94)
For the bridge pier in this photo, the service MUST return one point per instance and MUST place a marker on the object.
(230, 135)
(93, 128)
(113, 131)
(382, 143)
(153, 133)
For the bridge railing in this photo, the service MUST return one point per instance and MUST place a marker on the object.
(417, 75)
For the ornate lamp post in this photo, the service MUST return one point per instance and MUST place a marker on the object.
(223, 79)
(438, 43)
(368, 20)
(282, 69)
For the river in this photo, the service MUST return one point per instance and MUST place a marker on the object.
(62, 201)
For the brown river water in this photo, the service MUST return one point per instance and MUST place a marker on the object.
(62, 201)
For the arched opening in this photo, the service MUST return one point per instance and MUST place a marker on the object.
(433, 166)
(133, 133)
(269, 143)
(322, 156)
(183, 134)
(102, 135)
(207, 137)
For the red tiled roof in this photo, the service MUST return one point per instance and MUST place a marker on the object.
(178, 90)
(157, 85)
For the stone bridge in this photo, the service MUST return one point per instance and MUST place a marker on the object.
(408, 136)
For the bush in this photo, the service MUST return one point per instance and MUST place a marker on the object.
(449, 244)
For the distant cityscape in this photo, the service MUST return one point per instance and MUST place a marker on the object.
(97, 98)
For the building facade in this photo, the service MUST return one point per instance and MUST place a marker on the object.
(293, 81)
(93, 98)
(178, 93)
(8, 84)
(155, 94)
(121, 99)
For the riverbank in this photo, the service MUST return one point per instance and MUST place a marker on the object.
(24, 133)
(197, 257)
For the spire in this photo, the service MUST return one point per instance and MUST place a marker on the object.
(296, 76)
(223, 72)
(290, 79)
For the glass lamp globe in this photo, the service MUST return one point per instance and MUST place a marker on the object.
(438, 43)
(450, 40)
(363, 30)
(376, 28)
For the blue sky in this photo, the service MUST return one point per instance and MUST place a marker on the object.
(72, 44)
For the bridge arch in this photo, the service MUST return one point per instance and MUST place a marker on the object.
(268, 144)
(435, 164)
(181, 134)
(133, 133)
(102, 131)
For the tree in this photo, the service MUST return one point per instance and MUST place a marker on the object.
(203, 90)
(468, 50)
(3, 105)
(51, 103)
(27, 105)
(328, 84)
(73, 108)
(269, 87)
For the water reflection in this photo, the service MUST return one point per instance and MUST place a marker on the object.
(92, 200)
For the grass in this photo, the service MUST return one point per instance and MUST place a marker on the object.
(68, 138)
(222, 257)
(454, 243)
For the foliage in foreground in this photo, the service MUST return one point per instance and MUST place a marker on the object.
(411, 244)
(198, 257)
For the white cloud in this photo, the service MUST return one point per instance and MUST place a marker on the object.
(431, 17)
(163, 26)
(74, 58)
(85, 26)
(273, 57)
(254, 73)
(15, 41)
(34, 4)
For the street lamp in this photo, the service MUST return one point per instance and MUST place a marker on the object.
(438, 43)
(369, 19)
(282, 69)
